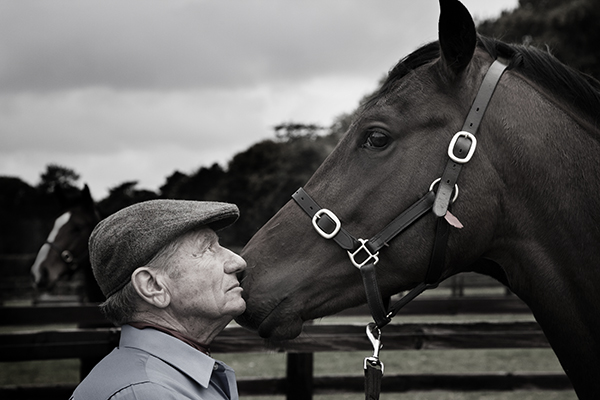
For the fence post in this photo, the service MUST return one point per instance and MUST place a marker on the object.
(299, 376)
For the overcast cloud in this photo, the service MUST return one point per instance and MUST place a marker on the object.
(134, 90)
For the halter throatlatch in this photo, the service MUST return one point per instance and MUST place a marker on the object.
(364, 254)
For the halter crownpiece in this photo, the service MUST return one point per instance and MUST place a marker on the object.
(465, 141)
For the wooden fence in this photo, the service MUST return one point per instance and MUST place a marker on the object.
(299, 383)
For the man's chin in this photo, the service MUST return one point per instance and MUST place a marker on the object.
(238, 308)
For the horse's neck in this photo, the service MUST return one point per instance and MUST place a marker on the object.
(550, 155)
(588, 125)
(548, 231)
(549, 166)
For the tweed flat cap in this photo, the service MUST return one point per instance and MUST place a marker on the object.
(131, 237)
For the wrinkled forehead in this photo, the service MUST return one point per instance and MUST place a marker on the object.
(199, 238)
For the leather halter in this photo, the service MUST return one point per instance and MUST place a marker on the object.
(364, 254)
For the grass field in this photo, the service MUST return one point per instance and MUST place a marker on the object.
(396, 362)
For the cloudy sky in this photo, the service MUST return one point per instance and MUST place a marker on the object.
(122, 90)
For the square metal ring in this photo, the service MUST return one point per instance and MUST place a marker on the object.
(363, 246)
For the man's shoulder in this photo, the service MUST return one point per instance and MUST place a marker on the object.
(122, 368)
(142, 390)
(130, 373)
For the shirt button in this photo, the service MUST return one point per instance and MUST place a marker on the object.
(215, 367)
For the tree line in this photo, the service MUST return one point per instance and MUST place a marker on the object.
(259, 180)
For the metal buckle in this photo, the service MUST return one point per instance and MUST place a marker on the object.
(363, 246)
(67, 256)
(334, 218)
(467, 158)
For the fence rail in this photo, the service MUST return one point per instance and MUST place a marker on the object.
(90, 314)
(75, 343)
(300, 383)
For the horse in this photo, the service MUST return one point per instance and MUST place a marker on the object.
(65, 251)
(525, 208)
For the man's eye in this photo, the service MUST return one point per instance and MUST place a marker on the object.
(376, 140)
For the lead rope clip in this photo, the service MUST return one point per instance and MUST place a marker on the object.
(372, 365)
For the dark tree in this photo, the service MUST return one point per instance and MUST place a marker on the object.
(124, 195)
(567, 28)
(57, 176)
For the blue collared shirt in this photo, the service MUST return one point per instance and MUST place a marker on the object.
(152, 365)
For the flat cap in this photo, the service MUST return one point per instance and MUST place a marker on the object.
(131, 237)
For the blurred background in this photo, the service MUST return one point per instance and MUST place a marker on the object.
(238, 101)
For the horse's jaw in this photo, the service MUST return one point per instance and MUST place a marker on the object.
(272, 319)
(281, 332)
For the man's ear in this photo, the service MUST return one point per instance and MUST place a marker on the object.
(150, 287)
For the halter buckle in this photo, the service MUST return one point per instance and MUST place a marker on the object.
(67, 256)
(471, 151)
(333, 217)
(362, 247)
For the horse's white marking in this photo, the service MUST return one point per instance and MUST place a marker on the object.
(36, 269)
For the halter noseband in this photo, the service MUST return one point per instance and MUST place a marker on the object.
(364, 254)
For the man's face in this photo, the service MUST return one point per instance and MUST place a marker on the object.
(203, 281)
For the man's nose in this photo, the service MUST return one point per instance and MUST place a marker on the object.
(236, 264)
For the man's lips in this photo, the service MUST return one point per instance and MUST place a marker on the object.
(235, 286)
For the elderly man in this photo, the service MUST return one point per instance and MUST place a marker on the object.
(172, 288)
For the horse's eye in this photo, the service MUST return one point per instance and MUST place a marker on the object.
(376, 140)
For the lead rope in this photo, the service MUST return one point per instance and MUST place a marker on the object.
(364, 254)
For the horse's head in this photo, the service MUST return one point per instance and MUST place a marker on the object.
(392, 153)
(65, 249)
(394, 150)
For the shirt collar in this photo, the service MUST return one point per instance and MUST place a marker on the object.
(171, 350)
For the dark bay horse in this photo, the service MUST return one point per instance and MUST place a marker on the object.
(528, 198)
(65, 251)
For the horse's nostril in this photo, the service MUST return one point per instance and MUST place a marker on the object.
(42, 281)
(241, 275)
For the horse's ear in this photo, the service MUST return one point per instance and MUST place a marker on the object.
(457, 35)
(86, 196)
(60, 195)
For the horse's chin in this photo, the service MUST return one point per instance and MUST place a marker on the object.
(279, 323)
(274, 329)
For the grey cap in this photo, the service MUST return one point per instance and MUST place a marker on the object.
(131, 237)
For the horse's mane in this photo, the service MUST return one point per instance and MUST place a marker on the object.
(580, 91)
